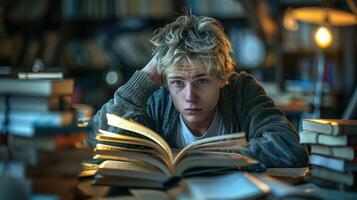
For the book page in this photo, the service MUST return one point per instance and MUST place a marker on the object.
(208, 140)
(236, 144)
(115, 148)
(129, 169)
(139, 163)
(134, 155)
(212, 159)
(288, 172)
(125, 124)
(126, 139)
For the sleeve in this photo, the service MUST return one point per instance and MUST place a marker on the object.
(129, 101)
(272, 139)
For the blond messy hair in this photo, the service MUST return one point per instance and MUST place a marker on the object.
(193, 40)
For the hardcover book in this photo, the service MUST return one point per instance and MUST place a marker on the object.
(36, 87)
(37, 104)
(346, 178)
(333, 163)
(346, 153)
(309, 137)
(330, 126)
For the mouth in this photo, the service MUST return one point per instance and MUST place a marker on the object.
(192, 111)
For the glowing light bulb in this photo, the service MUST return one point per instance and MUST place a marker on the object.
(323, 37)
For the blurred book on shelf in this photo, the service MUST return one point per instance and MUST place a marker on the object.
(40, 75)
(36, 87)
(41, 132)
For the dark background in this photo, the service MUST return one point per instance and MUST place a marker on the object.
(88, 39)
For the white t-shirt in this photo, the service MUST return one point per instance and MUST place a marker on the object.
(185, 137)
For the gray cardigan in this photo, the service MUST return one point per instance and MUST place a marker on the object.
(243, 104)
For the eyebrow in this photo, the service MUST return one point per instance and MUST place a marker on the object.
(194, 77)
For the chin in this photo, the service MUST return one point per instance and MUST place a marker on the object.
(192, 119)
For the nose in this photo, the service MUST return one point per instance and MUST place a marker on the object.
(190, 94)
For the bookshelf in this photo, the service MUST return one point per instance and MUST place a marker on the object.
(101, 43)
(93, 40)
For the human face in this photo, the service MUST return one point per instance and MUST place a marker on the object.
(195, 94)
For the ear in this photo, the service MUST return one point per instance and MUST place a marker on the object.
(222, 82)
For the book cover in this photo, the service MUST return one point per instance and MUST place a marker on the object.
(36, 87)
(309, 137)
(33, 103)
(49, 143)
(333, 163)
(37, 118)
(40, 75)
(346, 178)
(345, 152)
(330, 126)
(238, 185)
(333, 185)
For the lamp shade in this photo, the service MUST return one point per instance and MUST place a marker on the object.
(318, 15)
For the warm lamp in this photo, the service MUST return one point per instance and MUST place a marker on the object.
(325, 18)
(318, 15)
(323, 37)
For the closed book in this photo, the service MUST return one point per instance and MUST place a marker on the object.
(345, 152)
(309, 137)
(12, 168)
(330, 184)
(333, 163)
(33, 157)
(32, 103)
(36, 87)
(28, 129)
(49, 143)
(237, 185)
(347, 178)
(155, 161)
(330, 126)
(53, 118)
(24, 123)
(40, 75)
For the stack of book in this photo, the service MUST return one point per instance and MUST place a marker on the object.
(333, 151)
(41, 134)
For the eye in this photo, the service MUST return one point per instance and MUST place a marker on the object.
(201, 82)
(177, 83)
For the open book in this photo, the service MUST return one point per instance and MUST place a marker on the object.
(144, 159)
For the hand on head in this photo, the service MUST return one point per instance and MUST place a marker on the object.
(151, 69)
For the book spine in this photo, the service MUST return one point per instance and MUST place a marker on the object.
(328, 184)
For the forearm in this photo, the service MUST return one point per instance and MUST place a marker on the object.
(273, 140)
(277, 145)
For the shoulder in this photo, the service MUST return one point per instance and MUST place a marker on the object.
(241, 77)
(242, 80)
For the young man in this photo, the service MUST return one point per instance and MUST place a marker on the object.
(189, 91)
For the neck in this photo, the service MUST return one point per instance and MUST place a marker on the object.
(199, 128)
